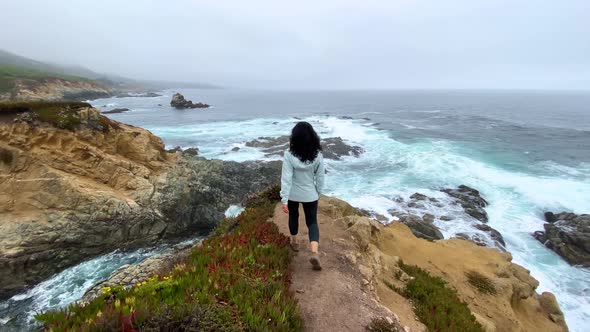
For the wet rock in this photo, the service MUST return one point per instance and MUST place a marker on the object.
(116, 110)
(420, 228)
(567, 234)
(429, 218)
(192, 152)
(235, 149)
(418, 197)
(332, 147)
(494, 234)
(470, 200)
(129, 275)
(179, 102)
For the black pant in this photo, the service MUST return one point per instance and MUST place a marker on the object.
(311, 218)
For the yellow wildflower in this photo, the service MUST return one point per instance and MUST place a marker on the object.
(117, 303)
(99, 313)
(106, 290)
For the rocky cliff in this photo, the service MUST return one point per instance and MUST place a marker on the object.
(74, 184)
(501, 295)
(55, 88)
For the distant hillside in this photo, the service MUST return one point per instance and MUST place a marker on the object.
(22, 83)
(22, 78)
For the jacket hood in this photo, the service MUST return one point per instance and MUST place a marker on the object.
(298, 164)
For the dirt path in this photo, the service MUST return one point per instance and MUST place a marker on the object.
(336, 298)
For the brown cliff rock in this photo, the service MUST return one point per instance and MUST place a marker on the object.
(69, 194)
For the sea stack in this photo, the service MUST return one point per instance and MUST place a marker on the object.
(179, 102)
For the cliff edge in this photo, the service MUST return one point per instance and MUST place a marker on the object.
(371, 271)
(75, 184)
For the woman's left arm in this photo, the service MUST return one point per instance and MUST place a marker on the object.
(320, 175)
(286, 179)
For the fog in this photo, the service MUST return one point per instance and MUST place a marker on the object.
(334, 44)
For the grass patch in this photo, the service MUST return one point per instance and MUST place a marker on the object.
(436, 305)
(480, 282)
(6, 156)
(237, 280)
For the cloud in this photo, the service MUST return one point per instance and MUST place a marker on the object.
(313, 44)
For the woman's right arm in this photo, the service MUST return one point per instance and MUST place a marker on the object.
(286, 179)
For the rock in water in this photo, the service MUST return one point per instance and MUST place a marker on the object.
(471, 201)
(422, 229)
(567, 234)
(179, 102)
(116, 111)
(332, 147)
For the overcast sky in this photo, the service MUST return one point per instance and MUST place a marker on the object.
(313, 44)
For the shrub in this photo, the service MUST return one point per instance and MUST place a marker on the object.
(482, 283)
(381, 325)
(235, 280)
(436, 305)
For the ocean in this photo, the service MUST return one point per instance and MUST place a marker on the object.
(527, 152)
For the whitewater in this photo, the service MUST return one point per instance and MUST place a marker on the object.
(521, 156)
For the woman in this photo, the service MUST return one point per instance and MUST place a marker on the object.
(302, 181)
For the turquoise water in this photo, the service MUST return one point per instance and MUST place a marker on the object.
(527, 152)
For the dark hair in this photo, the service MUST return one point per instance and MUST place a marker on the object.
(304, 142)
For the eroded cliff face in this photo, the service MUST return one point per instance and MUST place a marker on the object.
(67, 195)
(53, 88)
(514, 306)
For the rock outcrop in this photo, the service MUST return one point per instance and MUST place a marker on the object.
(57, 89)
(416, 213)
(179, 102)
(70, 194)
(332, 147)
(513, 306)
(471, 201)
(131, 274)
(567, 234)
(116, 111)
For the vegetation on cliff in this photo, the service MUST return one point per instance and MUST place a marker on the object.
(238, 279)
(60, 114)
(435, 304)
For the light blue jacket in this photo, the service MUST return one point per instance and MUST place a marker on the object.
(302, 182)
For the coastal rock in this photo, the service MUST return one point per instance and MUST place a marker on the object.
(137, 95)
(567, 234)
(378, 249)
(68, 195)
(131, 274)
(470, 200)
(116, 111)
(332, 147)
(179, 102)
(422, 206)
(52, 88)
(186, 152)
(421, 228)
